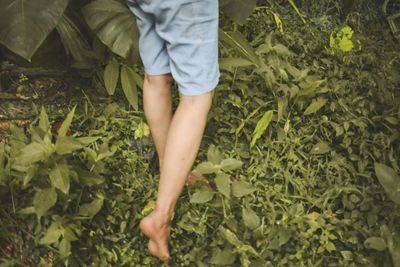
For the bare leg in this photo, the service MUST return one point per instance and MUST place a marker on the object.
(183, 141)
(158, 109)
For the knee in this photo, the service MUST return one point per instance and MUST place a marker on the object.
(164, 81)
(202, 102)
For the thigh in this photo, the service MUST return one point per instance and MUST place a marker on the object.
(190, 29)
(152, 47)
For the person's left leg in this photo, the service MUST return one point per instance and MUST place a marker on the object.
(183, 141)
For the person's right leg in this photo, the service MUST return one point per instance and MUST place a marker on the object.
(183, 141)
(157, 104)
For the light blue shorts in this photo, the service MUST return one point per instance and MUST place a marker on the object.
(179, 37)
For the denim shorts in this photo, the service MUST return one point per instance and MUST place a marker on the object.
(179, 37)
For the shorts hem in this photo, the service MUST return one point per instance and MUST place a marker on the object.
(160, 71)
(206, 88)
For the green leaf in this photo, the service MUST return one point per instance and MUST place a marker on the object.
(261, 126)
(230, 64)
(92, 208)
(66, 123)
(43, 200)
(320, 148)
(202, 196)
(65, 248)
(24, 25)
(74, 40)
(207, 167)
(223, 183)
(250, 218)
(237, 41)
(111, 75)
(315, 106)
(224, 257)
(90, 178)
(67, 144)
(376, 243)
(115, 25)
(59, 177)
(129, 86)
(52, 234)
(231, 164)
(214, 155)
(44, 120)
(241, 188)
(238, 10)
(31, 153)
(389, 180)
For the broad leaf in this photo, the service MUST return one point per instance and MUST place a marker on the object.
(207, 167)
(129, 86)
(31, 153)
(223, 183)
(111, 75)
(224, 257)
(43, 200)
(202, 196)
(115, 25)
(389, 180)
(214, 155)
(241, 188)
(237, 41)
(231, 164)
(250, 218)
(52, 234)
(376, 243)
(59, 177)
(24, 25)
(67, 144)
(238, 10)
(230, 64)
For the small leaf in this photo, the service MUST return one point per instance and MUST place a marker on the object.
(315, 106)
(214, 155)
(111, 75)
(223, 183)
(129, 86)
(43, 200)
(59, 177)
(231, 164)
(241, 188)
(320, 148)
(202, 196)
(92, 208)
(44, 120)
(261, 126)
(65, 248)
(376, 243)
(148, 208)
(224, 257)
(66, 123)
(52, 234)
(207, 167)
(250, 218)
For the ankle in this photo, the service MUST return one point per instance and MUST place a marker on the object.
(163, 215)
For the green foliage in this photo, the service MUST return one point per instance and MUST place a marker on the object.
(24, 25)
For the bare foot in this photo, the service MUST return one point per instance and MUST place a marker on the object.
(156, 227)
